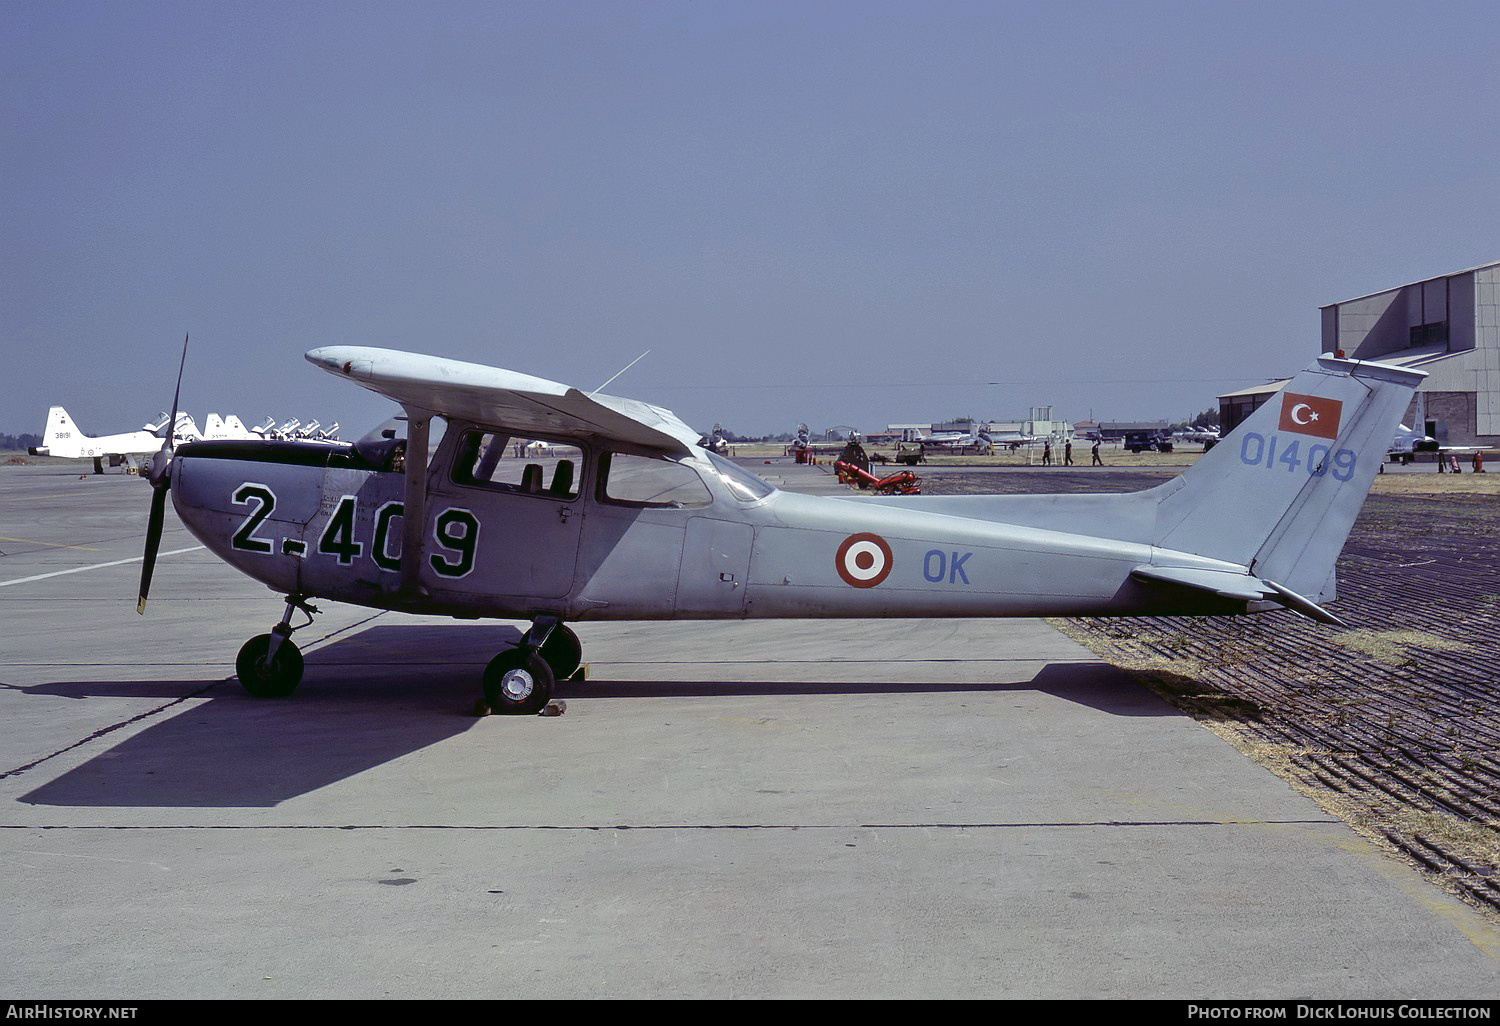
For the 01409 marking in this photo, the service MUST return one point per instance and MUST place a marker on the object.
(1256, 450)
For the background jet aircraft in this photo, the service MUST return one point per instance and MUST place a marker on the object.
(63, 438)
(1409, 441)
(218, 429)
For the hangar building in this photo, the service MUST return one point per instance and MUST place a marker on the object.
(1448, 326)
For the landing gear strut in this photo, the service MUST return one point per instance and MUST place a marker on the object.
(269, 665)
(519, 681)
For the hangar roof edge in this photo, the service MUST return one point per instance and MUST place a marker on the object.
(1418, 281)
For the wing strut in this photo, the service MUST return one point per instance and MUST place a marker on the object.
(622, 370)
(414, 508)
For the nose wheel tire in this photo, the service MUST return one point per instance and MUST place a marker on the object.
(519, 682)
(275, 679)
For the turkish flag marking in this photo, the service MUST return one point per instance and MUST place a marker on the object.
(1310, 415)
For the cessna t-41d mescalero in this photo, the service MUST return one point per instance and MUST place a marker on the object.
(621, 516)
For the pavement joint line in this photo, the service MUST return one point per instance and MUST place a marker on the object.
(313, 646)
(316, 642)
(104, 731)
(94, 566)
(48, 545)
(665, 827)
(844, 662)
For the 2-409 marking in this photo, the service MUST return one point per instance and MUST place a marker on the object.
(455, 530)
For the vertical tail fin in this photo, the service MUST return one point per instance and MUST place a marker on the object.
(62, 437)
(1280, 493)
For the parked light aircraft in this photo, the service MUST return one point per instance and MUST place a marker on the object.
(977, 441)
(627, 518)
(1197, 434)
(1012, 440)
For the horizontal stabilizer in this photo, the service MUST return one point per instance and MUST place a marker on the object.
(1239, 586)
(1306, 606)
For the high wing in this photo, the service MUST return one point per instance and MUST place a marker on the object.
(521, 403)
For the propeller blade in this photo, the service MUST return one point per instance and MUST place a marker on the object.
(159, 473)
(153, 542)
(176, 394)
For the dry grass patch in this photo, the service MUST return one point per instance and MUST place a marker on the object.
(1437, 484)
(1474, 842)
(1394, 647)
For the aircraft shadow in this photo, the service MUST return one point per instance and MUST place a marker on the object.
(390, 691)
(1095, 685)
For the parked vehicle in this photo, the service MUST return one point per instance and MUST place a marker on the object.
(1141, 441)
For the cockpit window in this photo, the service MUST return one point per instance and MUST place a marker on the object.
(651, 481)
(742, 484)
(486, 459)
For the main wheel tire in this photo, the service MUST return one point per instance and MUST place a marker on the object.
(517, 682)
(563, 652)
(277, 679)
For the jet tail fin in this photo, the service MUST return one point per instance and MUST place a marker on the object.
(1280, 493)
(61, 437)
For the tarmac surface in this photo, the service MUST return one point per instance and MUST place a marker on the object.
(955, 808)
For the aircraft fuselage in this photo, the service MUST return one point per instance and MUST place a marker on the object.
(321, 521)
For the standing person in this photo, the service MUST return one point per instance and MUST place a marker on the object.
(1097, 461)
(1068, 453)
(1046, 454)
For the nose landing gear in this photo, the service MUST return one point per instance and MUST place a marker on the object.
(269, 665)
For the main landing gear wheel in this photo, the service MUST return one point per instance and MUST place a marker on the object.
(562, 651)
(275, 679)
(519, 682)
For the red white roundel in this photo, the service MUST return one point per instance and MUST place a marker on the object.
(863, 560)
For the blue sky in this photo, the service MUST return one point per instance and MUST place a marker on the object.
(838, 213)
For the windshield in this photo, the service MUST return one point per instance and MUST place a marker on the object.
(742, 484)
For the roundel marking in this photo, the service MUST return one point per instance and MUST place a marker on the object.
(863, 560)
